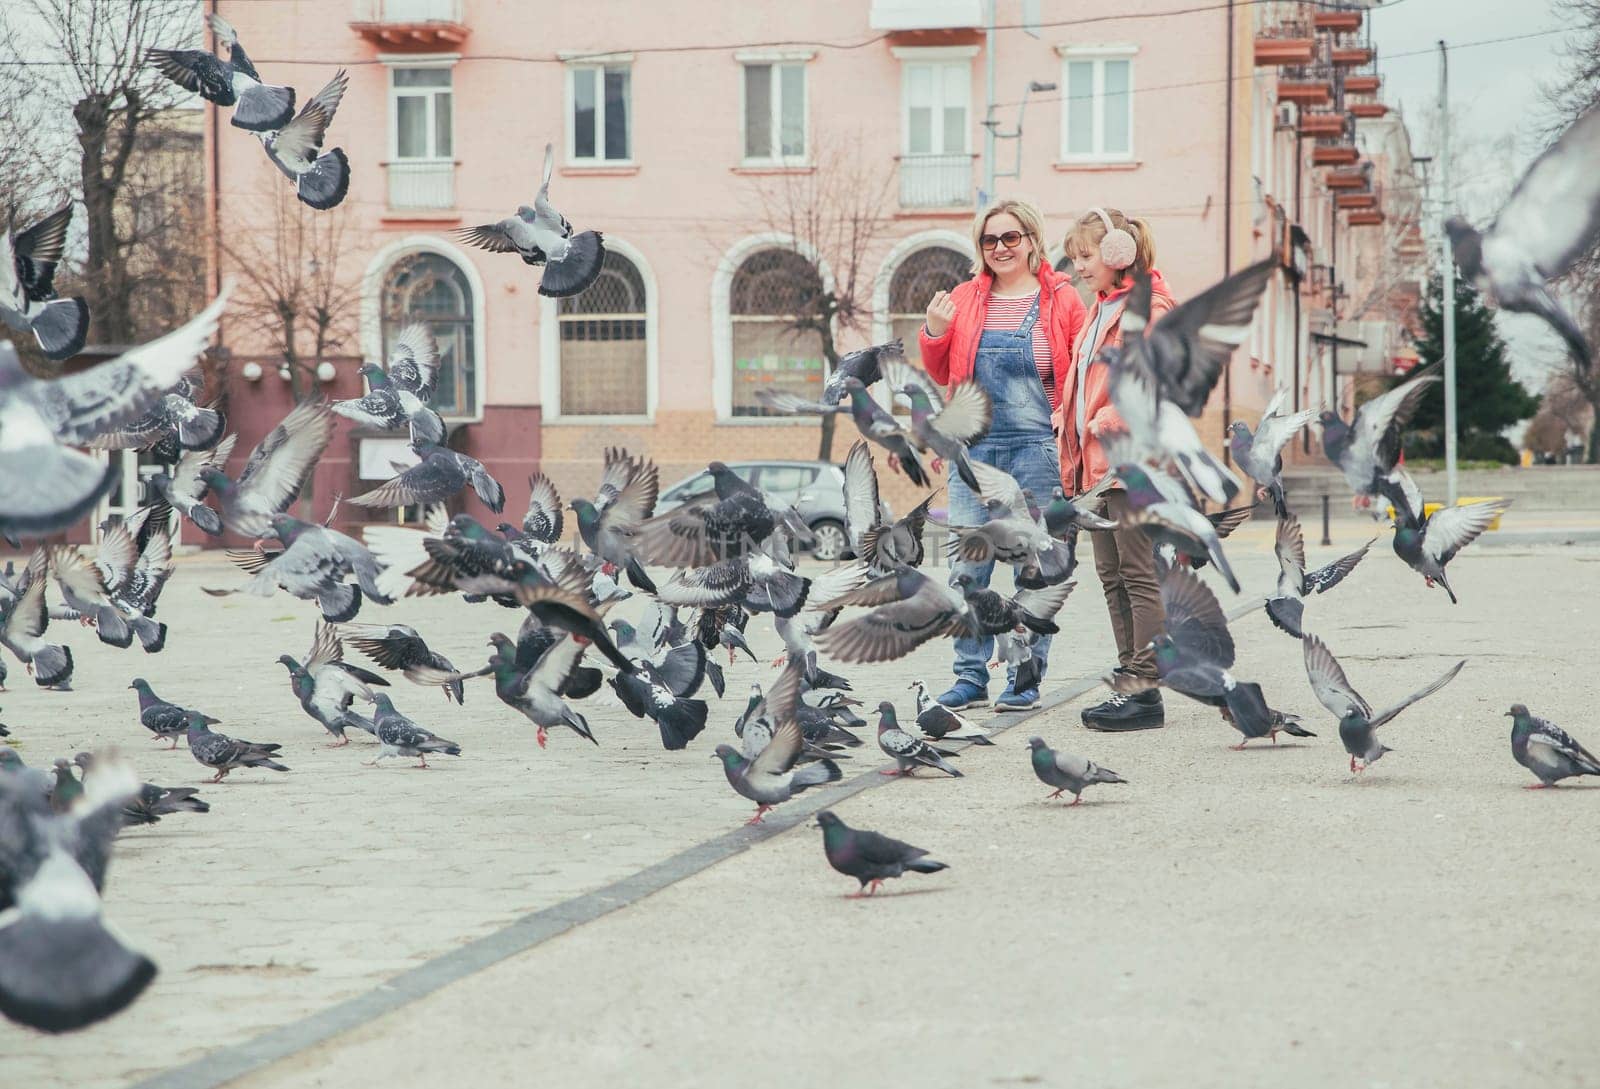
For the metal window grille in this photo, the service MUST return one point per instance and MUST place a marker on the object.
(771, 291)
(604, 363)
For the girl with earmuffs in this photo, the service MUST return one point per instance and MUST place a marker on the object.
(1108, 250)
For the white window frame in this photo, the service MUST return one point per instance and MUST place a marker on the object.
(1097, 55)
(912, 56)
(777, 59)
(550, 349)
(598, 63)
(392, 61)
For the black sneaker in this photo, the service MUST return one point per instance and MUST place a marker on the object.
(1142, 711)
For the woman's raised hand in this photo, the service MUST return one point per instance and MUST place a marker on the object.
(941, 312)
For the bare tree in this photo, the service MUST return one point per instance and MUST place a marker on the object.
(96, 74)
(294, 297)
(832, 214)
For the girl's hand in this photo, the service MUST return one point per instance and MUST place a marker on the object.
(941, 312)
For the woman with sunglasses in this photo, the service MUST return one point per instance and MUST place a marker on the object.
(1108, 250)
(1010, 328)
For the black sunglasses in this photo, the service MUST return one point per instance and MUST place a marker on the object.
(1010, 240)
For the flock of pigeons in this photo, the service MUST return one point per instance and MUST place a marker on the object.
(731, 555)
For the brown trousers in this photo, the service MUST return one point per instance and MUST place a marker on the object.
(1126, 561)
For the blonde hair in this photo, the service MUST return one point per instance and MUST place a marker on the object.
(1032, 227)
(1085, 235)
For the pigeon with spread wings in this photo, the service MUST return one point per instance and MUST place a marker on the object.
(28, 300)
(540, 235)
(1358, 722)
(257, 106)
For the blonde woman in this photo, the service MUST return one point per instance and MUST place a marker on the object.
(1109, 249)
(1010, 328)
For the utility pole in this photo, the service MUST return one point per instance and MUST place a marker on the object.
(1448, 302)
(988, 101)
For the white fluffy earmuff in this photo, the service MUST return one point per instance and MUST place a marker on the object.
(1118, 250)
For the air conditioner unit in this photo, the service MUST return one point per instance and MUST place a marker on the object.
(1286, 117)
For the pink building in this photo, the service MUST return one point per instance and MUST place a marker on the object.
(685, 141)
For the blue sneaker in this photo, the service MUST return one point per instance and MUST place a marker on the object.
(964, 694)
(1026, 700)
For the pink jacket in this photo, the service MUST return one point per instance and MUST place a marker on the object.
(1083, 466)
(952, 357)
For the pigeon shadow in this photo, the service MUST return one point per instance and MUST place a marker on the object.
(900, 894)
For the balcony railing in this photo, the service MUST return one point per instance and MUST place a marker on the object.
(422, 185)
(410, 24)
(935, 181)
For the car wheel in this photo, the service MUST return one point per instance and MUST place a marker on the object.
(828, 541)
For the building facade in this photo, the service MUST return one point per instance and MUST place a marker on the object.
(731, 170)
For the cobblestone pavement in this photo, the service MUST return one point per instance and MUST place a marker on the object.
(1225, 919)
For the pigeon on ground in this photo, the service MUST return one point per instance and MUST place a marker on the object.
(1429, 541)
(321, 178)
(1550, 221)
(542, 236)
(151, 802)
(1162, 375)
(35, 782)
(313, 565)
(275, 471)
(909, 753)
(865, 365)
(61, 968)
(165, 721)
(660, 691)
(66, 789)
(397, 646)
(610, 525)
(224, 753)
(182, 487)
(869, 857)
(28, 300)
(1064, 771)
(400, 736)
(947, 426)
(257, 106)
(938, 722)
(907, 609)
(1547, 750)
(772, 777)
(327, 686)
(1358, 724)
(1286, 607)
(1261, 455)
(173, 425)
(438, 475)
(46, 484)
(23, 628)
(399, 396)
(1367, 449)
(879, 543)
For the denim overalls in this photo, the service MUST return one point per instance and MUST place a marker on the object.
(1021, 443)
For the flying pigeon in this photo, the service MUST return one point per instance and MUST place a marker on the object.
(945, 426)
(799, 632)
(865, 365)
(399, 396)
(46, 485)
(993, 613)
(83, 587)
(165, 721)
(610, 526)
(1012, 532)
(871, 420)
(909, 753)
(544, 521)
(938, 722)
(22, 630)
(1358, 723)
(224, 753)
(439, 475)
(321, 178)
(661, 690)
(313, 565)
(869, 857)
(28, 300)
(183, 489)
(772, 777)
(61, 968)
(907, 609)
(397, 646)
(542, 236)
(1261, 455)
(1367, 449)
(327, 686)
(257, 106)
(400, 736)
(1551, 220)
(881, 544)
(1064, 771)
(174, 425)
(275, 471)
(1286, 607)
(1429, 541)
(1547, 750)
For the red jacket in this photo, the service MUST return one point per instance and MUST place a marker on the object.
(1082, 467)
(952, 357)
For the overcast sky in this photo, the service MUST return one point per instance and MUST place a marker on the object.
(1497, 109)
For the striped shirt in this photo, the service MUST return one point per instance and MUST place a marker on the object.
(1005, 315)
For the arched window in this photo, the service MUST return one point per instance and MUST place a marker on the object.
(935, 268)
(771, 290)
(429, 287)
(604, 357)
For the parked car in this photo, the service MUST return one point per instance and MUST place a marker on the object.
(814, 488)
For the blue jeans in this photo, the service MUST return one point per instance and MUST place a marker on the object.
(1032, 460)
